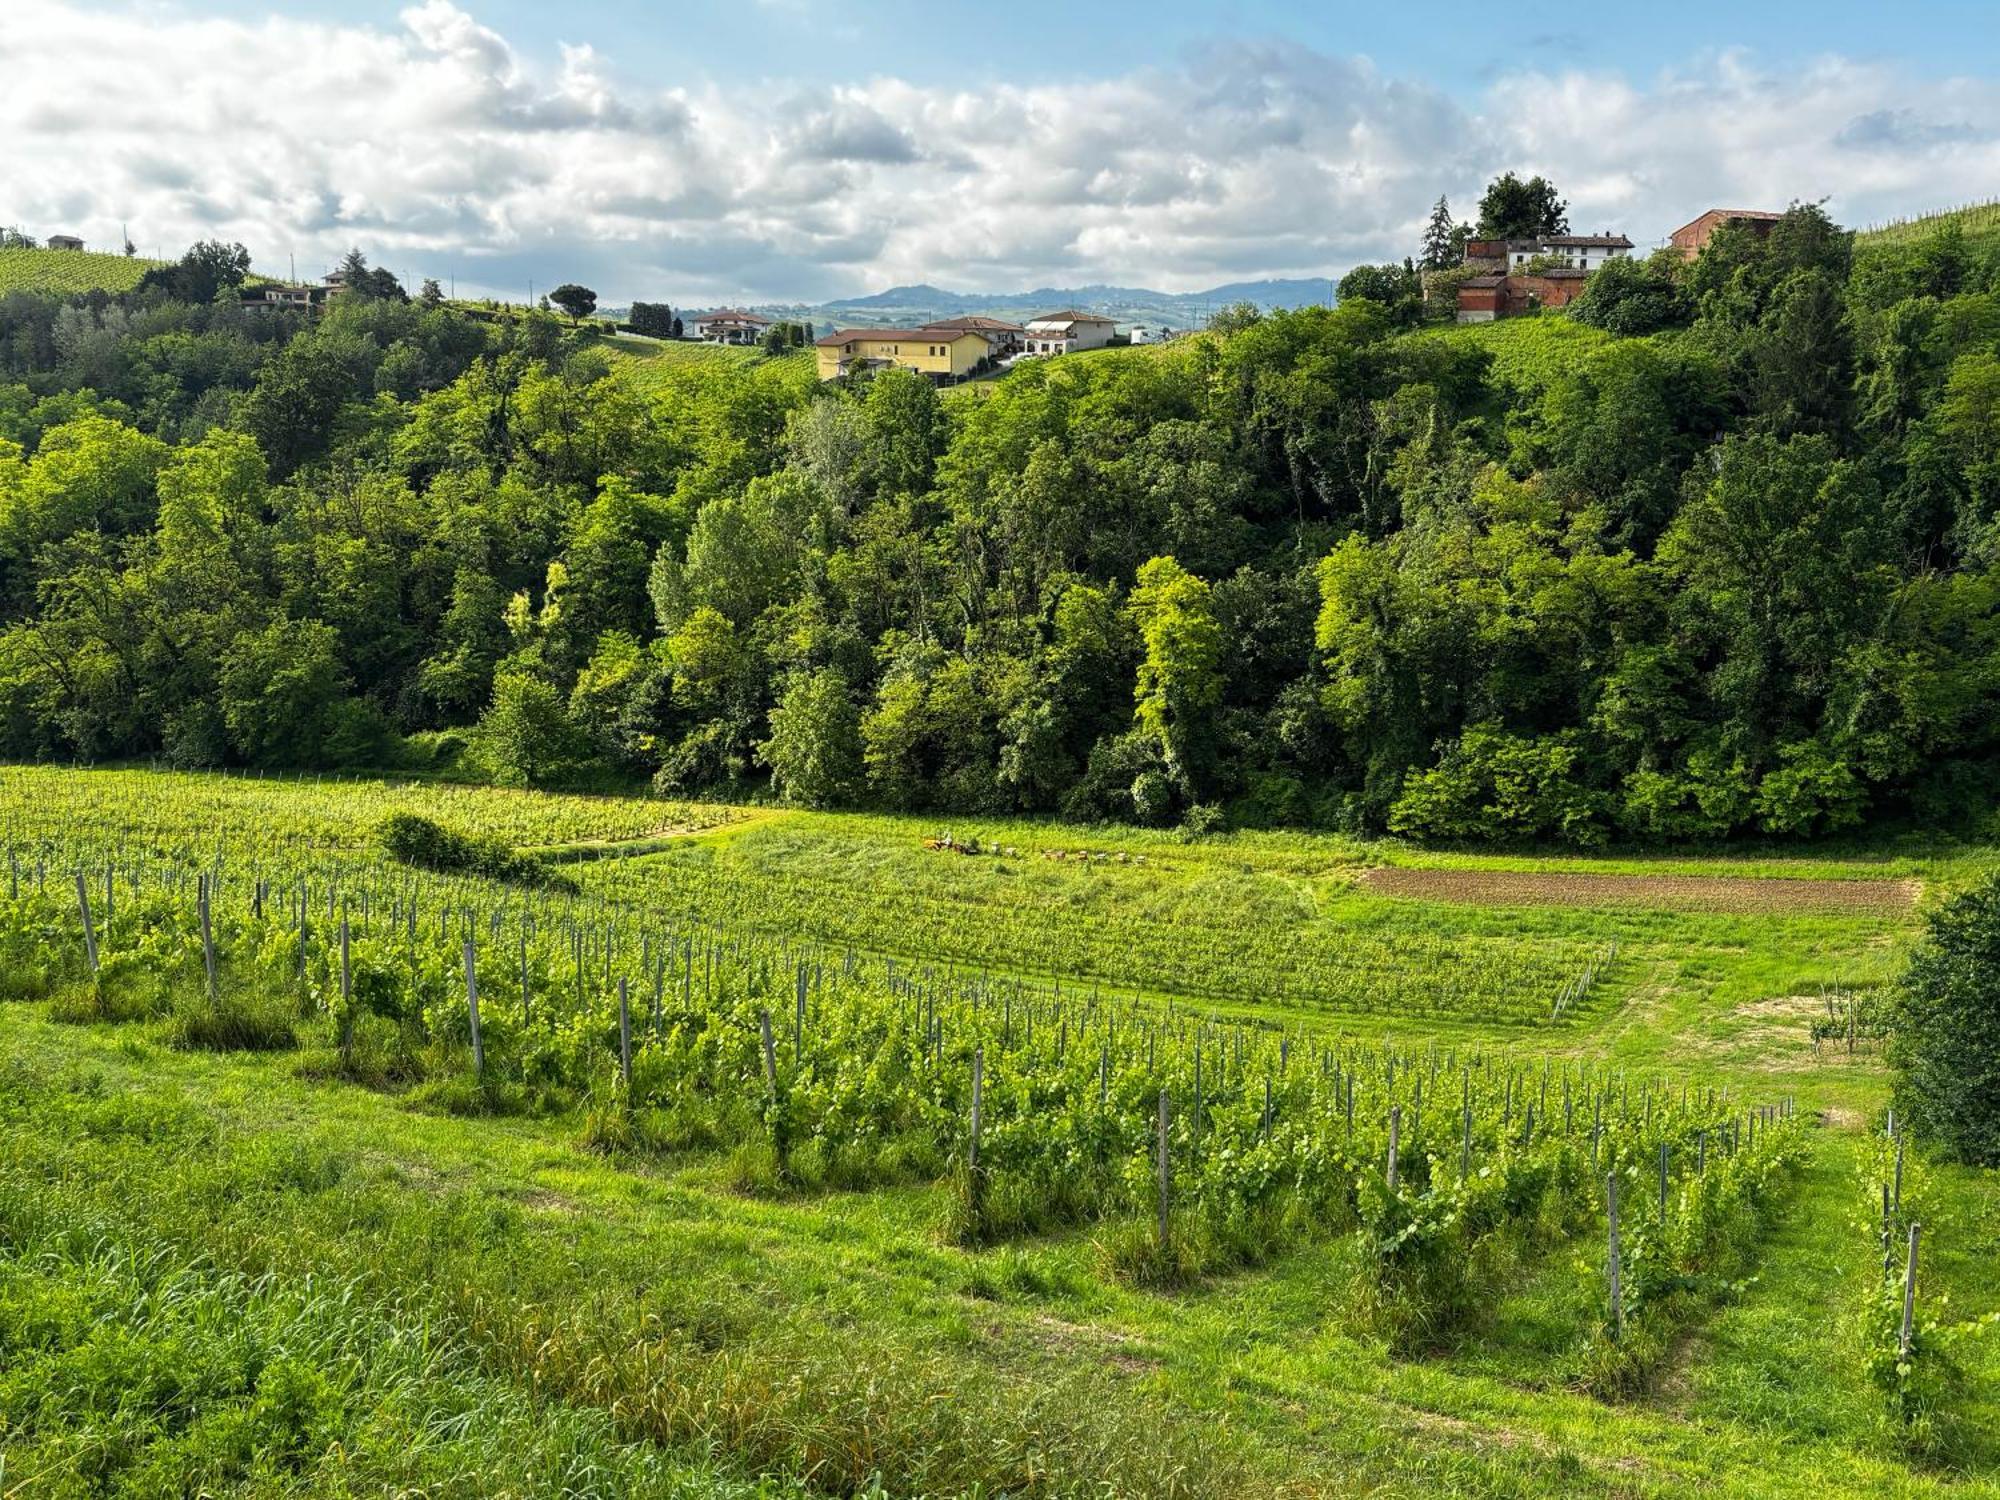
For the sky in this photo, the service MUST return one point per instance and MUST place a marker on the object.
(705, 153)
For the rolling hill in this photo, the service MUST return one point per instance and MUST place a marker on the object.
(70, 271)
(904, 305)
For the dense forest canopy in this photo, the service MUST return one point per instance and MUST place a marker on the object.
(1717, 552)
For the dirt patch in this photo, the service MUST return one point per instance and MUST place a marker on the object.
(1111, 1346)
(1726, 893)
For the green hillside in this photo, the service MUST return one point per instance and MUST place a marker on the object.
(1976, 221)
(70, 271)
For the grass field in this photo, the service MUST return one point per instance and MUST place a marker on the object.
(70, 271)
(236, 1271)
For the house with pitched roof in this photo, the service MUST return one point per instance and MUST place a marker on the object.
(730, 325)
(944, 354)
(1520, 276)
(1002, 337)
(1579, 252)
(1068, 331)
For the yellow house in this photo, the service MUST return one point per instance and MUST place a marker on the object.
(942, 353)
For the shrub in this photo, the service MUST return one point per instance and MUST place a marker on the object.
(1493, 783)
(1945, 1034)
(428, 845)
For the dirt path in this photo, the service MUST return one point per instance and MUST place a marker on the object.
(1728, 893)
(642, 843)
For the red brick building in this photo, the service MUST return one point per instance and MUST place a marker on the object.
(1693, 237)
(1481, 299)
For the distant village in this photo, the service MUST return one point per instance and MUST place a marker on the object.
(951, 349)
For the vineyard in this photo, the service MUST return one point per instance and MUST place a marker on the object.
(69, 272)
(1083, 1153)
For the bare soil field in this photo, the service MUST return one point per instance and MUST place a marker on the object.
(1730, 893)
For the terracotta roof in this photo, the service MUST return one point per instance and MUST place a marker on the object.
(730, 314)
(1607, 241)
(1483, 281)
(931, 334)
(1554, 273)
(1070, 315)
(977, 325)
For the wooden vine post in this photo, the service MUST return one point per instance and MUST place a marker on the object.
(978, 1084)
(1395, 1143)
(1166, 1172)
(1909, 1295)
(202, 900)
(1614, 1263)
(624, 1035)
(346, 997)
(472, 1011)
(89, 928)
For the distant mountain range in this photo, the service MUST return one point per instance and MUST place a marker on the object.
(902, 306)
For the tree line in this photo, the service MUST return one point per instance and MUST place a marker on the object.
(1711, 554)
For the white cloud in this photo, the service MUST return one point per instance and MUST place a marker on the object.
(441, 150)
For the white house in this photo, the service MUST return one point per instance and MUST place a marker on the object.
(730, 325)
(1576, 252)
(1068, 331)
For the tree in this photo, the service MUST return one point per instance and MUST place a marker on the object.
(578, 301)
(1180, 673)
(280, 687)
(654, 319)
(1444, 246)
(1513, 209)
(1396, 288)
(432, 294)
(366, 285)
(1944, 1041)
(1631, 297)
(526, 732)
(814, 751)
(207, 269)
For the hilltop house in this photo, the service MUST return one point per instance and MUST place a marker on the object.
(1519, 276)
(1581, 252)
(272, 296)
(65, 242)
(1068, 331)
(1693, 237)
(730, 325)
(944, 354)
